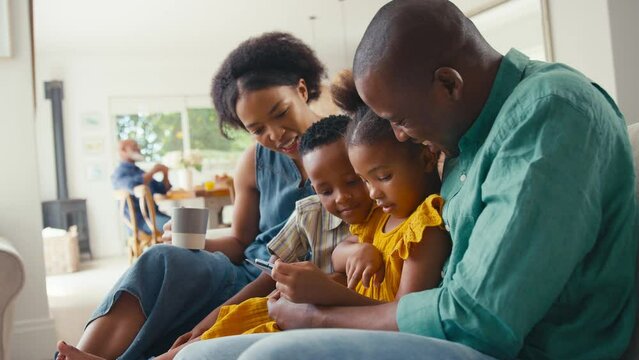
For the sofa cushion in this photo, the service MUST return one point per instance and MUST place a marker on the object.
(633, 133)
(11, 282)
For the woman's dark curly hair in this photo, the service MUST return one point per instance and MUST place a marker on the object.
(272, 59)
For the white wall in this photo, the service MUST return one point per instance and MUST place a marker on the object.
(581, 38)
(514, 24)
(89, 82)
(625, 47)
(165, 48)
(20, 209)
(600, 38)
(149, 58)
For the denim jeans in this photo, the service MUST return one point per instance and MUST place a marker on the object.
(160, 220)
(329, 344)
(176, 289)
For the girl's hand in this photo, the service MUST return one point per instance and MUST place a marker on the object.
(274, 295)
(303, 282)
(338, 277)
(365, 264)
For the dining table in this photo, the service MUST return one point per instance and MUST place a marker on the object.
(215, 200)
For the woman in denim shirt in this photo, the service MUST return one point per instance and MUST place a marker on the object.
(263, 87)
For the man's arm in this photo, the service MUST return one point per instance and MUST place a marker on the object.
(148, 176)
(160, 187)
(541, 218)
(289, 315)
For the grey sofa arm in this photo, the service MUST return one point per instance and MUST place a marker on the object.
(11, 282)
(632, 353)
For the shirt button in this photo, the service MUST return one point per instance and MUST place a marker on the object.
(462, 178)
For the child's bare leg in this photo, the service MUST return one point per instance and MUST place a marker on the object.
(110, 335)
(169, 355)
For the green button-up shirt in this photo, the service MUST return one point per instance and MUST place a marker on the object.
(540, 205)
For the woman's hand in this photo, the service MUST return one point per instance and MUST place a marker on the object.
(303, 282)
(167, 235)
(289, 315)
(365, 264)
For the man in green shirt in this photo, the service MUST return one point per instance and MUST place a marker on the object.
(540, 203)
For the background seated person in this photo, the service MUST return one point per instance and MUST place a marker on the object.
(128, 175)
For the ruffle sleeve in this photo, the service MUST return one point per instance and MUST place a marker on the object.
(428, 214)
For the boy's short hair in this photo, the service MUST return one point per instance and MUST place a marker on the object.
(326, 131)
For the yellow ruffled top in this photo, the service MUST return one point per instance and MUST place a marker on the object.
(395, 245)
(251, 316)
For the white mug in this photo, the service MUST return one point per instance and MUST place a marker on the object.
(189, 227)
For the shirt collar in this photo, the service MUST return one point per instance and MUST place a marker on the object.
(331, 222)
(508, 76)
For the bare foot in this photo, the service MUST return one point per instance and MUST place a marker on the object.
(68, 352)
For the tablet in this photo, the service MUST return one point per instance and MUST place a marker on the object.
(262, 265)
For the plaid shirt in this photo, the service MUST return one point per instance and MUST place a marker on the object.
(310, 232)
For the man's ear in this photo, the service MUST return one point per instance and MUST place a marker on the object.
(302, 89)
(451, 80)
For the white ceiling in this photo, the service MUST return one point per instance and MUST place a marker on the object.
(173, 24)
(209, 28)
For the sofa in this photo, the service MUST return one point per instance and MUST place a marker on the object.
(11, 282)
(633, 132)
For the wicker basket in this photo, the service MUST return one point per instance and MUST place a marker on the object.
(61, 251)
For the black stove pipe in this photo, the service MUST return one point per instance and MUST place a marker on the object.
(53, 90)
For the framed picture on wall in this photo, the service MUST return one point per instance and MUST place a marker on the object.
(5, 36)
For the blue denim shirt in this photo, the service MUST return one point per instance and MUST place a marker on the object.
(127, 176)
(280, 185)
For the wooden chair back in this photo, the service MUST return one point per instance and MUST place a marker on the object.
(227, 180)
(137, 239)
(147, 208)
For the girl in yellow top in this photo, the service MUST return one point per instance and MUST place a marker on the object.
(401, 247)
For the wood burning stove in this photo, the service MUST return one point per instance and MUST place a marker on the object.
(63, 212)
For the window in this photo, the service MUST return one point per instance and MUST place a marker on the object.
(157, 134)
(514, 24)
(167, 128)
(205, 136)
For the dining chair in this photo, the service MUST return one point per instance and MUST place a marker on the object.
(137, 238)
(147, 208)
